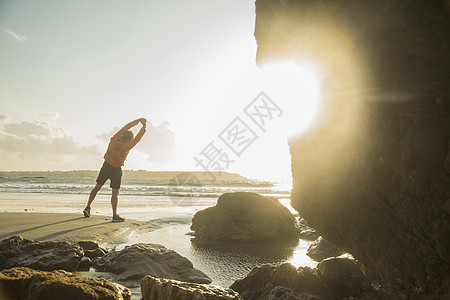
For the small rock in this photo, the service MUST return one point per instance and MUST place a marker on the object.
(321, 249)
(26, 283)
(261, 280)
(165, 289)
(99, 252)
(92, 249)
(88, 245)
(306, 232)
(85, 264)
(285, 293)
(138, 260)
(342, 276)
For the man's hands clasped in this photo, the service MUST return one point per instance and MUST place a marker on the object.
(143, 121)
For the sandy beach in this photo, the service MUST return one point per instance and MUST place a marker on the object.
(66, 227)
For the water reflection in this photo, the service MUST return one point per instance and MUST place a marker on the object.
(263, 249)
(224, 262)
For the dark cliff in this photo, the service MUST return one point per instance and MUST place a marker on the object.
(372, 175)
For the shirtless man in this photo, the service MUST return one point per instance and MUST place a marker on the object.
(119, 146)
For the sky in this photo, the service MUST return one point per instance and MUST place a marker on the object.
(73, 72)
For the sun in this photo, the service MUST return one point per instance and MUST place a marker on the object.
(296, 90)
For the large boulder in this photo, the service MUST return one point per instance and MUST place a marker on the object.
(372, 174)
(245, 217)
(25, 283)
(138, 260)
(19, 252)
(334, 278)
(165, 289)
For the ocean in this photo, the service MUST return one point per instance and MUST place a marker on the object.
(169, 206)
(137, 197)
(145, 187)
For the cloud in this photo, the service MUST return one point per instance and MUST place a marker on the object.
(36, 145)
(4, 119)
(158, 143)
(106, 136)
(20, 37)
(50, 115)
(26, 129)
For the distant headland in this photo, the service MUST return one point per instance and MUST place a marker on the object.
(131, 174)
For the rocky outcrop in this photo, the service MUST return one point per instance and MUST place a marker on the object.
(245, 217)
(26, 283)
(135, 261)
(165, 289)
(371, 175)
(321, 249)
(333, 278)
(19, 252)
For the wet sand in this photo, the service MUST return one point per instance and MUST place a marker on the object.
(66, 227)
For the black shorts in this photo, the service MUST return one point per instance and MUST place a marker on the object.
(109, 172)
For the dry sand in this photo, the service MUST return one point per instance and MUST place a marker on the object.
(66, 227)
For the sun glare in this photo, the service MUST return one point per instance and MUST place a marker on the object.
(296, 90)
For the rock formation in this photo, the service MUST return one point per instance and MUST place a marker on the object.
(372, 174)
(165, 289)
(19, 252)
(135, 261)
(26, 283)
(333, 278)
(245, 217)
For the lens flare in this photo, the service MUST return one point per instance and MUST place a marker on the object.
(296, 90)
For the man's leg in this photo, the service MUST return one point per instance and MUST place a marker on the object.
(93, 193)
(114, 200)
(87, 210)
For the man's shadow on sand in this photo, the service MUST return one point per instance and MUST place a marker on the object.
(49, 236)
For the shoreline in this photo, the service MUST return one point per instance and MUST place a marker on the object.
(224, 263)
(66, 227)
(151, 221)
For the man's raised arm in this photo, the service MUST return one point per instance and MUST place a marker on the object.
(140, 134)
(126, 127)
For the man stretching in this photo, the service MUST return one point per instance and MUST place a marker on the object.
(119, 146)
